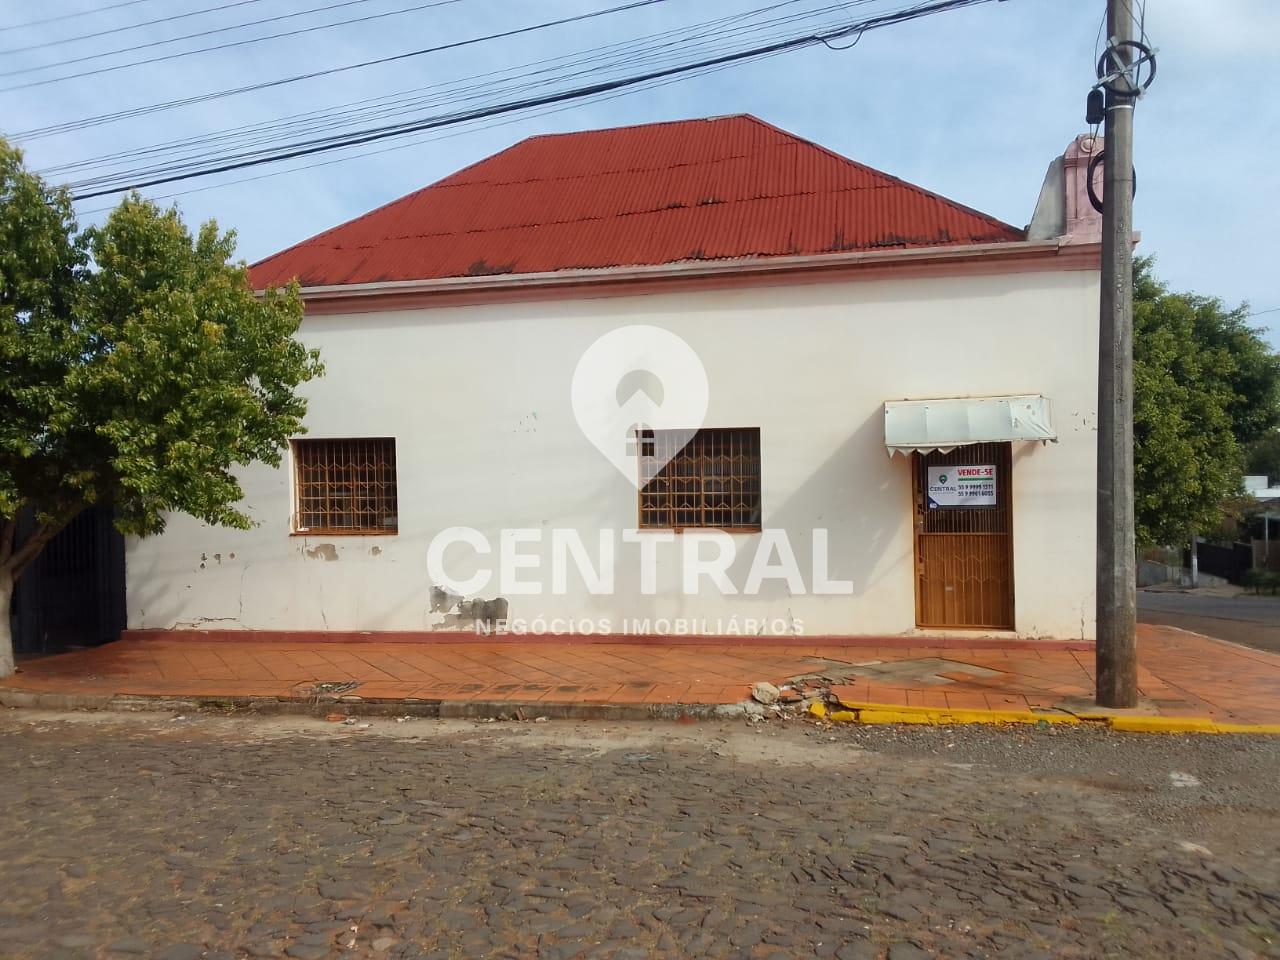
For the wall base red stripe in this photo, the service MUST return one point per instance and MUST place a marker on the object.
(468, 636)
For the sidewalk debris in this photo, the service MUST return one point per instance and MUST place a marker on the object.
(789, 693)
(765, 692)
(334, 686)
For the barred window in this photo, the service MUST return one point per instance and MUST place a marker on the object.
(703, 478)
(345, 486)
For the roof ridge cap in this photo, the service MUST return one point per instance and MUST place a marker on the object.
(635, 126)
(750, 152)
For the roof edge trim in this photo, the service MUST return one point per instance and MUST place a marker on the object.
(998, 251)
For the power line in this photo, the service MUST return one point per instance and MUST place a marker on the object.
(709, 35)
(129, 26)
(204, 159)
(400, 146)
(307, 148)
(72, 16)
(188, 36)
(220, 46)
(661, 49)
(267, 84)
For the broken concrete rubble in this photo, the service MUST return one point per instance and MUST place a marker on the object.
(764, 692)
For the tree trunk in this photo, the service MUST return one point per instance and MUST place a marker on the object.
(6, 632)
(15, 558)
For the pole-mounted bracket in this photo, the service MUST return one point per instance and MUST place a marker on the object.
(1121, 68)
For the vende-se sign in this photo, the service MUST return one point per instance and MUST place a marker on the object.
(970, 486)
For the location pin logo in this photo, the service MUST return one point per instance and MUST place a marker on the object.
(639, 378)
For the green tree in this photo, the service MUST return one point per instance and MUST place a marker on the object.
(1206, 389)
(1264, 456)
(137, 369)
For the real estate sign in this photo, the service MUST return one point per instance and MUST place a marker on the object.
(962, 486)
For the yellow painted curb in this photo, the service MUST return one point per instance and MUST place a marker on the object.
(1189, 725)
(889, 713)
(1269, 729)
(880, 713)
(1163, 724)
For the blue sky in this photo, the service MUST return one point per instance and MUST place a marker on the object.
(972, 103)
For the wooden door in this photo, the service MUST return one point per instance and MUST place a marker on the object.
(964, 537)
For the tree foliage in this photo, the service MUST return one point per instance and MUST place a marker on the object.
(1206, 389)
(1264, 456)
(137, 369)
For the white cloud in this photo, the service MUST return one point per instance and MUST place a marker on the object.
(1219, 29)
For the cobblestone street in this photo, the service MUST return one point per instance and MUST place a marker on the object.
(180, 838)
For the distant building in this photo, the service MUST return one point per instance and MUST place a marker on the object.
(1260, 488)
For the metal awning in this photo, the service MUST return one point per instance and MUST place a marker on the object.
(945, 424)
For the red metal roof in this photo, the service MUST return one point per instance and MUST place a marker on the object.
(721, 188)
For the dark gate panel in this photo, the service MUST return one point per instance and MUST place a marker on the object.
(1226, 560)
(73, 594)
(964, 554)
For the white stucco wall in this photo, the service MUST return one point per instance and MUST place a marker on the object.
(477, 398)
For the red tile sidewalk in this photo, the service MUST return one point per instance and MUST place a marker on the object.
(1180, 674)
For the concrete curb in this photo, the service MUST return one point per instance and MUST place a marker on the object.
(322, 706)
(844, 711)
(849, 711)
(477, 709)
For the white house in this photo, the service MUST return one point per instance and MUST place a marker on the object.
(701, 377)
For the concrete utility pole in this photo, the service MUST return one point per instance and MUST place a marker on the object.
(1116, 652)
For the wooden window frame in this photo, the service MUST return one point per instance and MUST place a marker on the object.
(296, 465)
(644, 437)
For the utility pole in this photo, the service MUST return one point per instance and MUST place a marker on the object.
(1116, 651)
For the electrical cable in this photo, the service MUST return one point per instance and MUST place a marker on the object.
(404, 146)
(221, 46)
(617, 55)
(264, 85)
(184, 164)
(452, 93)
(72, 16)
(130, 26)
(131, 181)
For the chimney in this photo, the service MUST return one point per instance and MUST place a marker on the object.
(1063, 209)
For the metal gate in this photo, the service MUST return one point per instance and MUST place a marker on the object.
(964, 553)
(73, 594)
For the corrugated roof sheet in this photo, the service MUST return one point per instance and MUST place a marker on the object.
(721, 188)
